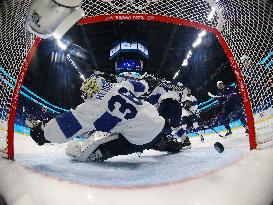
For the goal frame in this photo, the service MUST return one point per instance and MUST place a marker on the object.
(138, 17)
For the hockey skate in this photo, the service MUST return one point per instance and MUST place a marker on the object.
(202, 139)
(246, 129)
(228, 132)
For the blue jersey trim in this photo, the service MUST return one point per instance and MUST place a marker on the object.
(153, 99)
(68, 124)
(138, 86)
(106, 122)
(180, 132)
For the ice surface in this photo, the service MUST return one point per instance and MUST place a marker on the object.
(248, 180)
(152, 167)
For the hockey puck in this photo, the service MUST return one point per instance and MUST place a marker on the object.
(219, 147)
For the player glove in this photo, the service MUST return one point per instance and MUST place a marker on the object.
(37, 134)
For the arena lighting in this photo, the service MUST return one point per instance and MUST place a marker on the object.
(185, 62)
(199, 39)
(56, 36)
(211, 14)
(197, 42)
(75, 66)
(189, 54)
(82, 76)
(61, 44)
(202, 34)
(176, 74)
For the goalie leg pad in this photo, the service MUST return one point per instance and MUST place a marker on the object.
(89, 149)
(73, 148)
(103, 148)
(120, 146)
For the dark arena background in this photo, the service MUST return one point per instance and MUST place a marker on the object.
(49, 48)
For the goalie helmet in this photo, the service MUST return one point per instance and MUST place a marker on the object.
(91, 86)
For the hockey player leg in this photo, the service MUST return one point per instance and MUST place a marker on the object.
(182, 131)
(241, 116)
(196, 129)
(225, 121)
(121, 146)
(224, 117)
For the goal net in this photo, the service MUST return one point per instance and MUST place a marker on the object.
(244, 27)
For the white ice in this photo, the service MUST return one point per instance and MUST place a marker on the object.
(201, 175)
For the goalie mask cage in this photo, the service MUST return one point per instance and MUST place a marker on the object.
(243, 27)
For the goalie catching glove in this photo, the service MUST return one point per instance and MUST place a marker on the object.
(37, 132)
(167, 143)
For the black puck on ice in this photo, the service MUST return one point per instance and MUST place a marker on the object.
(219, 147)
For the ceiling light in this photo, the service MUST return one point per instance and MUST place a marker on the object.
(185, 62)
(189, 54)
(62, 44)
(197, 42)
(176, 74)
(202, 34)
(82, 76)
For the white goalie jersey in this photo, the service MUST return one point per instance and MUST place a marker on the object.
(116, 108)
(192, 109)
(159, 94)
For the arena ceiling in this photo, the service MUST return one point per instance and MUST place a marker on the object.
(52, 76)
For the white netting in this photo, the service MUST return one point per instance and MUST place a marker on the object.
(246, 26)
(248, 31)
(15, 43)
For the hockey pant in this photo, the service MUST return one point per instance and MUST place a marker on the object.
(190, 123)
(236, 110)
(121, 146)
(171, 111)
